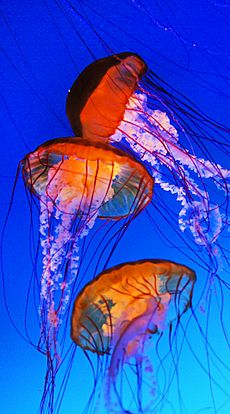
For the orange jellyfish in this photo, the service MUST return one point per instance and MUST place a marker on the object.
(117, 313)
(96, 103)
(75, 182)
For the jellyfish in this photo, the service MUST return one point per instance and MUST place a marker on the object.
(97, 100)
(118, 313)
(75, 182)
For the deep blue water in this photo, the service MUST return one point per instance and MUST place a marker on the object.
(44, 46)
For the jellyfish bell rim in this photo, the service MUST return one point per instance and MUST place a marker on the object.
(104, 147)
(191, 272)
(142, 261)
(106, 273)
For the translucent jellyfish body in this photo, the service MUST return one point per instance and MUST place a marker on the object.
(115, 315)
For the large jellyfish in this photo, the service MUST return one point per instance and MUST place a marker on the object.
(116, 315)
(76, 182)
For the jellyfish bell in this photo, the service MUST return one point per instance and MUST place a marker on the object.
(113, 294)
(80, 178)
(116, 313)
(96, 102)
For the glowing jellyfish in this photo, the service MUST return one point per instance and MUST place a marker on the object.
(117, 313)
(97, 101)
(76, 182)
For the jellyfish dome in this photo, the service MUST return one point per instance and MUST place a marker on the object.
(116, 313)
(97, 100)
(83, 179)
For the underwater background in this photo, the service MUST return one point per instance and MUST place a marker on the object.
(44, 46)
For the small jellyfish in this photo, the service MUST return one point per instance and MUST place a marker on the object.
(117, 313)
